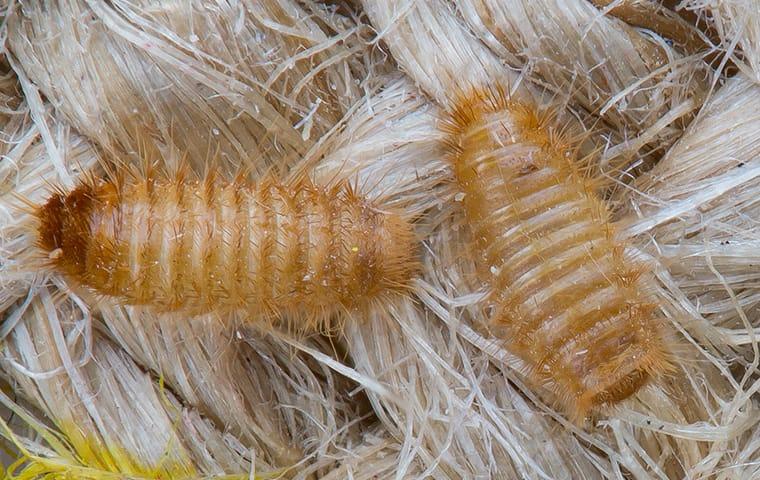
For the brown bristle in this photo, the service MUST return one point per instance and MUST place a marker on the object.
(64, 227)
(564, 295)
(271, 248)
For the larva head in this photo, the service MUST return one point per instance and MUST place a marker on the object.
(65, 228)
(617, 367)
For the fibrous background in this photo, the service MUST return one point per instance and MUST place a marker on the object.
(663, 98)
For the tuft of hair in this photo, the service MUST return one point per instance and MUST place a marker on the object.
(564, 297)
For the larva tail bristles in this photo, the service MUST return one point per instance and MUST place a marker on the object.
(563, 294)
(291, 250)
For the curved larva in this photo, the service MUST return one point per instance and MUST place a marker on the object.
(275, 248)
(564, 296)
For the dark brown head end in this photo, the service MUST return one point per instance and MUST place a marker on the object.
(64, 227)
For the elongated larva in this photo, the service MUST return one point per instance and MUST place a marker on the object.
(271, 248)
(565, 297)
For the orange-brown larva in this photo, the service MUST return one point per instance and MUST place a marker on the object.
(272, 248)
(564, 295)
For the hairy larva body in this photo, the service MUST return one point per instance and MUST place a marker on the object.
(564, 295)
(271, 248)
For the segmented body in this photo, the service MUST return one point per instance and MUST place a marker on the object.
(565, 296)
(272, 248)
